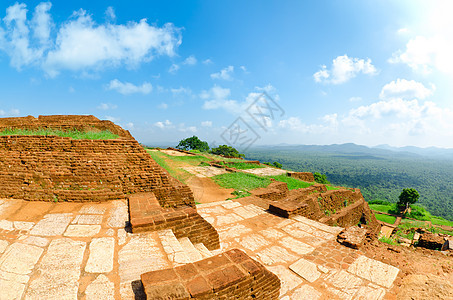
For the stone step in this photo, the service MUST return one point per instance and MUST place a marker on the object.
(205, 253)
(190, 250)
(173, 248)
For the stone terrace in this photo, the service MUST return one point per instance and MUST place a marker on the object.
(80, 250)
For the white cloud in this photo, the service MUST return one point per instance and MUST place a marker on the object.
(217, 97)
(127, 88)
(165, 124)
(184, 128)
(207, 61)
(129, 125)
(430, 48)
(80, 44)
(224, 74)
(163, 105)
(423, 54)
(12, 112)
(191, 60)
(343, 69)
(110, 14)
(113, 119)
(181, 90)
(243, 68)
(107, 106)
(174, 68)
(406, 89)
(355, 99)
(206, 123)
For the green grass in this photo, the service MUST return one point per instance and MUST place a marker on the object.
(193, 160)
(387, 240)
(407, 224)
(293, 183)
(440, 230)
(408, 234)
(385, 218)
(241, 182)
(387, 208)
(331, 188)
(244, 166)
(441, 221)
(177, 173)
(74, 134)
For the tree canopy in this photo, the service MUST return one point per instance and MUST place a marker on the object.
(226, 150)
(193, 143)
(408, 197)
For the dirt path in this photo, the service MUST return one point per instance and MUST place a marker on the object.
(205, 190)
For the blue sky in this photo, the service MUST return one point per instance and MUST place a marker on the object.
(368, 72)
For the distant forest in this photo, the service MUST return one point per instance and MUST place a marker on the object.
(380, 174)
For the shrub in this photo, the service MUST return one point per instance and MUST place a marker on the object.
(321, 178)
(226, 150)
(193, 143)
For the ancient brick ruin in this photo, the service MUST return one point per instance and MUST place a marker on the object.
(230, 275)
(52, 168)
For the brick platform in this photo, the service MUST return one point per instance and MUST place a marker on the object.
(147, 215)
(230, 275)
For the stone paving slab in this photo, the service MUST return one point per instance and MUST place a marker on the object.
(20, 258)
(306, 269)
(59, 271)
(253, 242)
(11, 289)
(87, 219)
(100, 288)
(52, 224)
(275, 254)
(288, 279)
(82, 230)
(101, 255)
(374, 271)
(119, 215)
(347, 283)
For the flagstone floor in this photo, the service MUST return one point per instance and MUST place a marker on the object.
(82, 251)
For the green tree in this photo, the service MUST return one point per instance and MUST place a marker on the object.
(321, 178)
(277, 164)
(226, 150)
(193, 143)
(408, 197)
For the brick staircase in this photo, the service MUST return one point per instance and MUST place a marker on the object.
(182, 251)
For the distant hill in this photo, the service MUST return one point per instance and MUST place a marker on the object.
(380, 172)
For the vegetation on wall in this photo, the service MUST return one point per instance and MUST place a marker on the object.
(74, 134)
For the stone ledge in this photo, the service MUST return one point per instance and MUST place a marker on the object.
(231, 274)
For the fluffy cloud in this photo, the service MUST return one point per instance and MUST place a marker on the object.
(181, 90)
(80, 44)
(127, 88)
(406, 89)
(431, 50)
(343, 69)
(107, 106)
(12, 112)
(165, 124)
(191, 60)
(224, 74)
(206, 123)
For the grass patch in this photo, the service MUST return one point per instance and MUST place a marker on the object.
(331, 188)
(408, 234)
(293, 183)
(175, 172)
(240, 194)
(387, 240)
(407, 224)
(440, 230)
(74, 134)
(244, 166)
(441, 221)
(385, 218)
(241, 182)
(192, 160)
(387, 208)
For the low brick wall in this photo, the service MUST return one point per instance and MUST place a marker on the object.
(275, 191)
(50, 168)
(230, 275)
(338, 199)
(304, 176)
(65, 123)
(147, 215)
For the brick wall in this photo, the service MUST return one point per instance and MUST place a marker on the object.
(230, 275)
(56, 168)
(64, 122)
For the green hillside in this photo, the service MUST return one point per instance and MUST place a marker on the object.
(380, 174)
